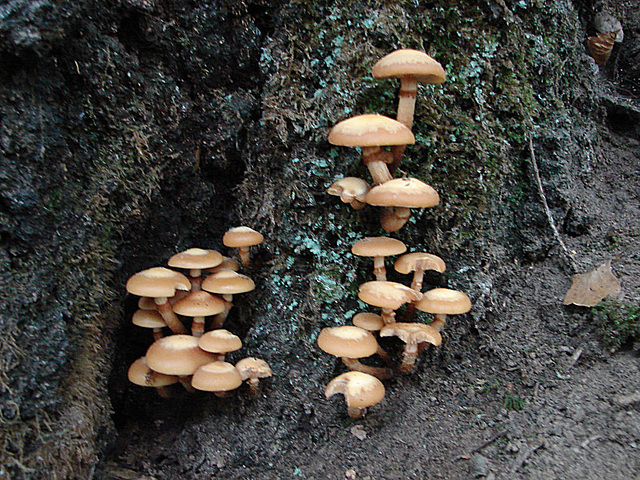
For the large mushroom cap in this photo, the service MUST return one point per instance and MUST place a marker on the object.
(370, 130)
(216, 377)
(220, 341)
(378, 247)
(412, 333)
(347, 341)
(195, 258)
(228, 282)
(242, 237)
(157, 282)
(360, 389)
(140, 374)
(349, 188)
(199, 304)
(444, 301)
(385, 294)
(177, 355)
(410, 262)
(403, 192)
(407, 62)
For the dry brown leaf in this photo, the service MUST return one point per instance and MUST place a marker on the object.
(588, 289)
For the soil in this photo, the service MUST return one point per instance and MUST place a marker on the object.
(134, 129)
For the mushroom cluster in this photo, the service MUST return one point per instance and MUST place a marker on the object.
(361, 386)
(373, 132)
(193, 354)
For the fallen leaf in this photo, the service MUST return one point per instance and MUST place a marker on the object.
(588, 289)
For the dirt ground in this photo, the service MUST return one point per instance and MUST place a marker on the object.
(134, 129)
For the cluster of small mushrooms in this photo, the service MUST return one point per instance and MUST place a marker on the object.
(361, 386)
(193, 354)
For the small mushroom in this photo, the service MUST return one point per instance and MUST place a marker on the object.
(443, 302)
(371, 322)
(252, 370)
(351, 190)
(351, 343)
(389, 296)
(227, 283)
(198, 305)
(220, 342)
(160, 283)
(149, 319)
(418, 263)
(242, 238)
(140, 374)
(216, 377)
(372, 132)
(378, 248)
(227, 264)
(360, 391)
(177, 355)
(411, 334)
(195, 260)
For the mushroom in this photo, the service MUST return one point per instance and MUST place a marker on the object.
(402, 194)
(198, 305)
(227, 264)
(443, 302)
(389, 296)
(252, 370)
(371, 322)
(351, 190)
(177, 355)
(149, 319)
(378, 248)
(411, 67)
(140, 374)
(418, 263)
(371, 132)
(242, 238)
(216, 377)
(411, 334)
(195, 260)
(160, 283)
(220, 342)
(351, 343)
(360, 391)
(227, 283)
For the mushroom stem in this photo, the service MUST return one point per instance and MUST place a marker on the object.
(356, 412)
(220, 318)
(195, 277)
(157, 334)
(355, 364)
(388, 316)
(406, 107)
(185, 380)
(394, 218)
(245, 258)
(379, 269)
(357, 204)
(164, 392)
(438, 321)
(253, 383)
(409, 357)
(170, 318)
(197, 326)
(376, 159)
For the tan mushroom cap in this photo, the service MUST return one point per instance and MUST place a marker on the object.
(195, 258)
(140, 374)
(378, 247)
(147, 303)
(360, 389)
(347, 341)
(228, 282)
(220, 341)
(386, 294)
(403, 192)
(371, 322)
(370, 130)
(444, 301)
(148, 319)
(242, 237)
(408, 62)
(177, 355)
(227, 264)
(216, 377)
(199, 304)
(349, 188)
(157, 282)
(412, 333)
(410, 262)
(251, 367)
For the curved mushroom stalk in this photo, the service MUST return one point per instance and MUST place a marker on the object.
(379, 270)
(376, 159)
(409, 357)
(439, 321)
(170, 318)
(355, 365)
(388, 316)
(197, 326)
(393, 219)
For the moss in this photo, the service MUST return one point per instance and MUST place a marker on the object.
(618, 322)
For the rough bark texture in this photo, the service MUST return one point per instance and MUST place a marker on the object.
(133, 129)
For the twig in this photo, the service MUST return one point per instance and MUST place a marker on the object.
(547, 210)
(575, 357)
(467, 456)
(522, 459)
